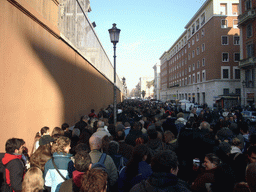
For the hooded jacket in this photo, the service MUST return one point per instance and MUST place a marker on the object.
(14, 170)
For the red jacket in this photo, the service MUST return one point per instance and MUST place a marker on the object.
(14, 171)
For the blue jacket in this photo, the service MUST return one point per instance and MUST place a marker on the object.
(51, 176)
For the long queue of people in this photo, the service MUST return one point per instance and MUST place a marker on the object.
(152, 147)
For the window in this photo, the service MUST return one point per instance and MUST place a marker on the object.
(238, 91)
(223, 9)
(203, 62)
(186, 81)
(248, 4)
(236, 40)
(193, 29)
(224, 23)
(224, 40)
(236, 57)
(189, 44)
(185, 71)
(236, 73)
(249, 30)
(197, 51)
(189, 56)
(198, 77)
(225, 72)
(225, 91)
(198, 64)
(249, 50)
(203, 47)
(185, 61)
(189, 68)
(203, 75)
(189, 79)
(197, 24)
(193, 66)
(185, 50)
(202, 19)
(193, 53)
(189, 33)
(194, 80)
(225, 57)
(197, 37)
(202, 32)
(193, 41)
(234, 9)
(235, 23)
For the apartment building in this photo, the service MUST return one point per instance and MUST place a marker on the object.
(247, 25)
(202, 65)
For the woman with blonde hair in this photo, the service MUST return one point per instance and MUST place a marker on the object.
(33, 180)
(56, 170)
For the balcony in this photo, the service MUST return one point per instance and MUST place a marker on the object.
(247, 62)
(250, 14)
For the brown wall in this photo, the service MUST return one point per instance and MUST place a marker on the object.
(44, 82)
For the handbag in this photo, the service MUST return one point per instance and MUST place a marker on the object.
(55, 166)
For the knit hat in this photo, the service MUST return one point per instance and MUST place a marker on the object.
(46, 139)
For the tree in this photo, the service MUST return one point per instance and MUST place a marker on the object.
(143, 93)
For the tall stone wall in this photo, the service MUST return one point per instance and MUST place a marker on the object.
(44, 81)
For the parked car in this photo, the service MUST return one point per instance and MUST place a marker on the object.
(249, 116)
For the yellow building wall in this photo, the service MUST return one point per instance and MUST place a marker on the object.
(44, 82)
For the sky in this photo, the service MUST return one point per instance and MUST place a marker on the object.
(148, 29)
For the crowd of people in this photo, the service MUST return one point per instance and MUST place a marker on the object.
(151, 147)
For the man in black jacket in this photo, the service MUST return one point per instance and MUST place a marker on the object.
(13, 163)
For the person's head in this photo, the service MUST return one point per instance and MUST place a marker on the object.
(120, 136)
(45, 130)
(205, 126)
(137, 126)
(140, 153)
(252, 139)
(250, 176)
(152, 133)
(127, 124)
(211, 161)
(95, 142)
(236, 142)
(33, 180)
(92, 110)
(252, 154)
(82, 161)
(165, 161)
(62, 144)
(168, 136)
(94, 180)
(57, 131)
(64, 126)
(100, 124)
(41, 156)
(14, 145)
(180, 115)
(113, 148)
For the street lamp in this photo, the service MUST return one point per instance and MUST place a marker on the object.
(114, 38)
(244, 84)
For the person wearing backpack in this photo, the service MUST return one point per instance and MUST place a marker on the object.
(95, 154)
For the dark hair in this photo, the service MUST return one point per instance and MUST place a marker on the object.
(137, 125)
(120, 135)
(44, 130)
(251, 149)
(41, 156)
(113, 148)
(252, 138)
(64, 126)
(152, 133)
(164, 161)
(82, 161)
(12, 144)
(213, 158)
(138, 153)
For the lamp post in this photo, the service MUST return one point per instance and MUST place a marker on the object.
(114, 38)
(124, 86)
(244, 84)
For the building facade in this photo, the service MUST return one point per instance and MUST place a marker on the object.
(247, 25)
(202, 65)
(146, 85)
(156, 68)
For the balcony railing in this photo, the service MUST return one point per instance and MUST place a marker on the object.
(247, 62)
(250, 14)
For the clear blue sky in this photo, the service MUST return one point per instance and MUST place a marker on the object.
(148, 29)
